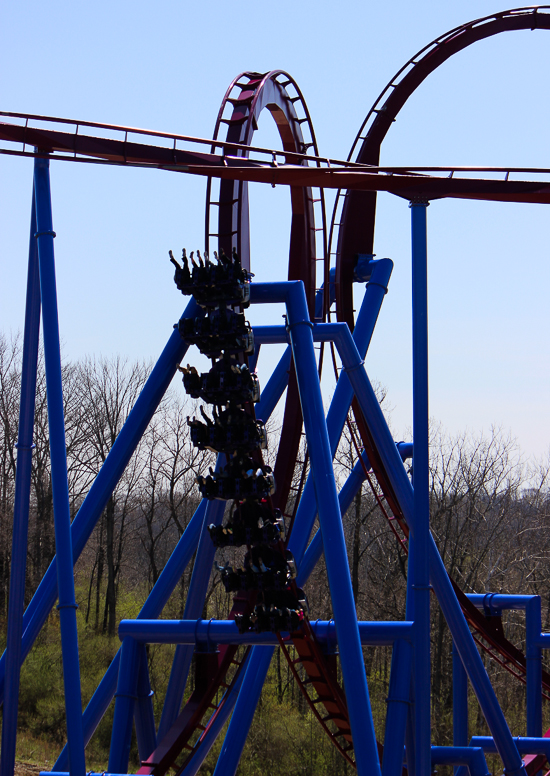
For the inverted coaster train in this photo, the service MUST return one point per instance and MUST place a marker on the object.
(275, 525)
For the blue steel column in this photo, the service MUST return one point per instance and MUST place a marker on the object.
(241, 720)
(21, 505)
(376, 289)
(126, 695)
(153, 606)
(60, 487)
(144, 713)
(345, 617)
(460, 706)
(401, 485)
(196, 595)
(398, 705)
(533, 654)
(420, 554)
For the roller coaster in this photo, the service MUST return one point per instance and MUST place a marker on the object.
(272, 513)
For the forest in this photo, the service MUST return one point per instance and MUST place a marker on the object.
(489, 517)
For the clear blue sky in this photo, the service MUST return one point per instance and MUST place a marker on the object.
(166, 66)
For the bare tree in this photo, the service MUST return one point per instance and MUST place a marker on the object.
(109, 389)
(168, 493)
(10, 381)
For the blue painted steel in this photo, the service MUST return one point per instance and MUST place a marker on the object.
(472, 756)
(319, 296)
(439, 578)
(198, 587)
(60, 487)
(336, 418)
(126, 694)
(21, 505)
(105, 482)
(275, 387)
(418, 552)
(153, 606)
(405, 450)
(146, 735)
(398, 706)
(494, 604)
(533, 655)
(270, 335)
(243, 713)
(460, 701)
(460, 707)
(343, 394)
(525, 745)
(226, 632)
(353, 668)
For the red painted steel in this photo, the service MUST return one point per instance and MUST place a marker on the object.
(210, 677)
(247, 96)
(356, 211)
(336, 175)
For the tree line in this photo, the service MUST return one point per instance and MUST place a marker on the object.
(490, 514)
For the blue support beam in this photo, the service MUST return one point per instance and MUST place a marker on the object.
(243, 713)
(418, 568)
(198, 588)
(375, 634)
(439, 578)
(398, 707)
(153, 606)
(21, 504)
(494, 604)
(58, 456)
(126, 695)
(144, 717)
(353, 668)
(460, 701)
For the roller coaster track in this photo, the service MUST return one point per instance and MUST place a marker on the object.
(352, 230)
(353, 220)
(247, 95)
(354, 234)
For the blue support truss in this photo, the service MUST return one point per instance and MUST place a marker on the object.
(407, 737)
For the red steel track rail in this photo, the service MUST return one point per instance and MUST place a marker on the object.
(247, 96)
(354, 211)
